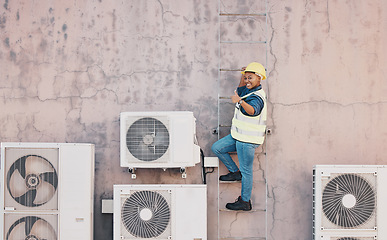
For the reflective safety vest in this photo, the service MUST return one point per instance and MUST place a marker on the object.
(250, 129)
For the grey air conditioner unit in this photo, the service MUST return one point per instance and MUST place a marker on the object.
(161, 212)
(349, 202)
(46, 191)
(158, 140)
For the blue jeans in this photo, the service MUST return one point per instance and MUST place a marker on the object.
(245, 152)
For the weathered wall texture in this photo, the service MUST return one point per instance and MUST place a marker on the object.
(328, 99)
(68, 68)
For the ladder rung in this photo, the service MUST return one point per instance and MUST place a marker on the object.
(228, 182)
(233, 70)
(230, 70)
(242, 14)
(251, 211)
(241, 238)
(242, 41)
(223, 97)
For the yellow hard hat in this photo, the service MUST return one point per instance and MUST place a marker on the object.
(256, 68)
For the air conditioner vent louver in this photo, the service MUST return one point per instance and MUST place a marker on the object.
(147, 139)
(31, 228)
(32, 180)
(145, 214)
(348, 200)
(348, 238)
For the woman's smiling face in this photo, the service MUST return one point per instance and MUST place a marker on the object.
(252, 80)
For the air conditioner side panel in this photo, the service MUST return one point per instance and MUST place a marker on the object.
(182, 138)
(116, 211)
(382, 203)
(317, 203)
(191, 212)
(76, 191)
(2, 189)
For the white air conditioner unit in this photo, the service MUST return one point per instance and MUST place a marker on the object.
(349, 202)
(158, 140)
(46, 191)
(160, 212)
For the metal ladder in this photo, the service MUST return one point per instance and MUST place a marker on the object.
(225, 106)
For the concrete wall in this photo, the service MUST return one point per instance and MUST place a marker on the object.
(68, 68)
(328, 99)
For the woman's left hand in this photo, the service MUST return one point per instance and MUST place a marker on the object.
(235, 98)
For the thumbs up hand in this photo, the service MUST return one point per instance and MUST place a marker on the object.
(235, 98)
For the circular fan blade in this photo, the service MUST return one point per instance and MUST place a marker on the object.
(36, 164)
(44, 193)
(139, 128)
(26, 175)
(132, 142)
(31, 227)
(161, 138)
(18, 166)
(17, 230)
(17, 185)
(27, 199)
(155, 222)
(30, 221)
(43, 230)
(136, 133)
(141, 150)
(51, 178)
(348, 200)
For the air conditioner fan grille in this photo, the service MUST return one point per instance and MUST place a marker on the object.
(145, 214)
(147, 139)
(32, 180)
(31, 228)
(348, 200)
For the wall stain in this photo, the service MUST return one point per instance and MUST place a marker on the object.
(6, 41)
(64, 28)
(12, 56)
(43, 45)
(3, 20)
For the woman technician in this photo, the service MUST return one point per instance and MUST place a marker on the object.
(247, 133)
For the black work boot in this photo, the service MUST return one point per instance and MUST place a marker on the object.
(239, 204)
(231, 176)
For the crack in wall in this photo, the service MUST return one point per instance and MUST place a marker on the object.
(329, 102)
(273, 213)
(328, 19)
(274, 69)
